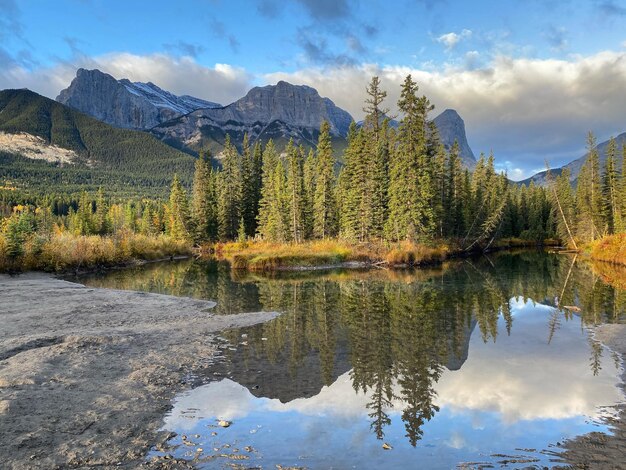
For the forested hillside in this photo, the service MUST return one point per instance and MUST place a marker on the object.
(126, 161)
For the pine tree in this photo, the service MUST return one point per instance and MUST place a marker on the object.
(410, 176)
(324, 206)
(177, 212)
(588, 201)
(372, 165)
(453, 202)
(101, 223)
(374, 114)
(563, 206)
(611, 210)
(204, 200)
(229, 193)
(310, 164)
(437, 156)
(250, 186)
(295, 193)
(273, 208)
(355, 184)
(379, 159)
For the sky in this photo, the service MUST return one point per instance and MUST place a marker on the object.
(529, 77)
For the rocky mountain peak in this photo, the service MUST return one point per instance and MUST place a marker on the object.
(298, 106)
(123, 103)
(452, 127)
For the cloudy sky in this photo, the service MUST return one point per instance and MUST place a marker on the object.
(530, 77)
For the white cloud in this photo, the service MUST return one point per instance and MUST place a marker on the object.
(222, 83)
(450, 40)
(524, 109)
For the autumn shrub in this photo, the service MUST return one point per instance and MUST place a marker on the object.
(611, 249)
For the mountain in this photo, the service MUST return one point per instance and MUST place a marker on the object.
(280, 112)
(46, 145)
(452, 127)
(125, 104)
(576, 165)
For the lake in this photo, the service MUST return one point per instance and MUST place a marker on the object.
(479, 363)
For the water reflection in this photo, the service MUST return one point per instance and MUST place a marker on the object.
(499, 402)
(455, 363)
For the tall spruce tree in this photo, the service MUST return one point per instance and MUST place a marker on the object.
(295, 193)
(324, 206)
(379, 150)
(229, 192)
(355, 182)
(310, 165)
(611, 194)
(588, 190)
(177, 221)
(374, 112)
(410, 176)
(453, 202)
(250, 187)
(204, 200)
(273, 207)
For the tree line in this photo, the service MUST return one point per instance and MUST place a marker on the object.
(390, 185)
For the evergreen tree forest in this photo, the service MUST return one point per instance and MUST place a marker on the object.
(393, 185)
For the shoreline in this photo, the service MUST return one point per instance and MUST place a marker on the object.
(262, 256)
(86, 375)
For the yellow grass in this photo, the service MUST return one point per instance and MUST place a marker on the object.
(63, 251)
(611, 249)
(267, 256)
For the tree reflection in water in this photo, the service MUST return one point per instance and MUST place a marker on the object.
(395, 331)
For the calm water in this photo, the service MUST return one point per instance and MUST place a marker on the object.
(468, 365)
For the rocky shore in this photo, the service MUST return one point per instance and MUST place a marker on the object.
(86, 375)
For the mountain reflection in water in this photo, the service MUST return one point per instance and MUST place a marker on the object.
(459, 363)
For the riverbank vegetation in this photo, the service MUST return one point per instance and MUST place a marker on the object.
(91, 233)
(397, 195)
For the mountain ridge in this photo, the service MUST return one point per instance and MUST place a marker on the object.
(576, 165)
(126, 104)
(279, 112)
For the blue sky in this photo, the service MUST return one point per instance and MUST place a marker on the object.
(529, 77)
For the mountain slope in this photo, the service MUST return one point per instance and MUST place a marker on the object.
(123, 103)
(280, 112)
(576, 165)
(91, 144)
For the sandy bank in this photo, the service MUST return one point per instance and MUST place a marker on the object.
(86, 375)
